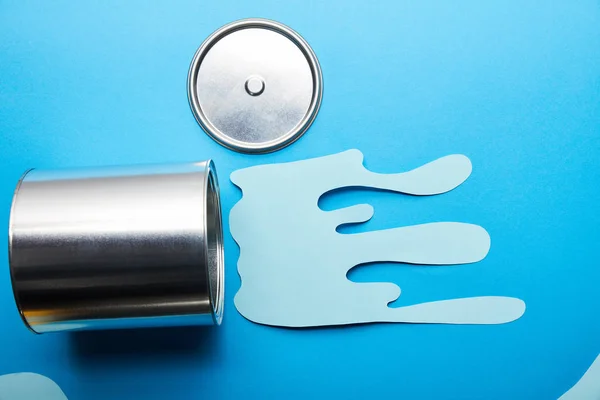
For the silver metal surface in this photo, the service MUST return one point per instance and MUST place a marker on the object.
(255, 86)
(117, 247)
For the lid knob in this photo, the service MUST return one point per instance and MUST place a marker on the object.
(255, 85)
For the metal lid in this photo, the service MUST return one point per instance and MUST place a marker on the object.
(255, 86)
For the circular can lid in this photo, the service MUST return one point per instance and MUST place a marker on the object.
(255, 86)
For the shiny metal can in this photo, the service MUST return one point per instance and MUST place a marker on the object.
(117, 247)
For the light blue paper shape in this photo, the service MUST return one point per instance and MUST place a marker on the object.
(293, 264)
(588, 387)
(29, 386)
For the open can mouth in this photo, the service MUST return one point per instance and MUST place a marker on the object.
(215, 255)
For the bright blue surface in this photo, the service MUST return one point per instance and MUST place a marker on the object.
(513, 85)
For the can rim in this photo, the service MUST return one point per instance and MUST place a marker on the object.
(272, 145)
(216, 284)
(10, 253)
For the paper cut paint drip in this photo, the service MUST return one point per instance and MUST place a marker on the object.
(588, 387)
(293, 264)
(29, 386)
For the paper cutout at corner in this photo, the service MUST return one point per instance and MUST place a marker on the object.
(293, 263)
(588, 387)
(29, 386)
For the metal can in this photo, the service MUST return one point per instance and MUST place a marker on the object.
(117, 247)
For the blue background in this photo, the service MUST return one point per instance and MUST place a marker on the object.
(514, 85)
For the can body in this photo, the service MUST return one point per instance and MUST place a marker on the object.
(117, 247)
